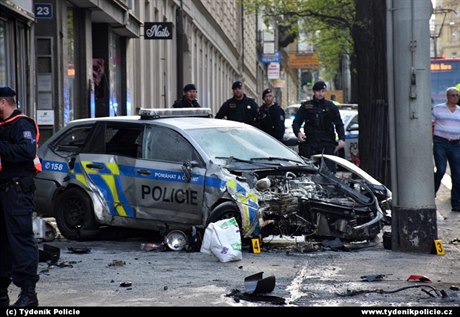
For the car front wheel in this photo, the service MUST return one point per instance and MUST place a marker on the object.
(225, 210)
(74, 213)
(228, 210)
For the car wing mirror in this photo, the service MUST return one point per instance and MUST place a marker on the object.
(187, 169)
(71, 162)
(353, 127)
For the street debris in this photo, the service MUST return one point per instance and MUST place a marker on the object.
(79, 250)
(126, 284)
(387, 240)
(176, 240)
(419, 278)
(150, 246)
(256, 287)
(256, 284)
(49, 254)
(238, 295)
(194, 240)
(117, 263)
(425, 288)
(335, 244)
(373, 277)
(222, 238)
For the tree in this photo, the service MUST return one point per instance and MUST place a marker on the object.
(327, 24)
(356, 28)
(370, 87)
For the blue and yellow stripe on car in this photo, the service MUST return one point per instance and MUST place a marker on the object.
(108, 181)
(247, 201)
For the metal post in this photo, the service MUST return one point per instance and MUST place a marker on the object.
(414, 226)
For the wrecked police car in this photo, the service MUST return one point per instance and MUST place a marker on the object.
(177, 170)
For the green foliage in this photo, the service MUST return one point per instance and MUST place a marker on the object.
(327, 24)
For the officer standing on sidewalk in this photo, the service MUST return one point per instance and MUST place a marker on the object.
(188, 100)
(18, 165)
(240, 107)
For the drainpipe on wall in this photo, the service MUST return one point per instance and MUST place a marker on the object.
(180, 50)
(242, 40)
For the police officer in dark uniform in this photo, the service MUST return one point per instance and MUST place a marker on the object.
(321, 116)
(240, 107)
(271, 116)
(19, 164)
(188, 100)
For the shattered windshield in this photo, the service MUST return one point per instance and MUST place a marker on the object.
(241, 144)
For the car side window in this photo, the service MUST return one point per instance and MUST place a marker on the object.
(354, 121)
(164, 144)
(72, 141)
(123, 139)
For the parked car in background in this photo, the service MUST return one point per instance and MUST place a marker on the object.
(174, 170)
(289, 137)
(349, 114)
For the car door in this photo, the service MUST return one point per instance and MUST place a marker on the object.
(56, 157)
(352, 138)
(106, 165)
(163, 190)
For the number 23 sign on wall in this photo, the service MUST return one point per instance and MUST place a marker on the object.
(43, 10)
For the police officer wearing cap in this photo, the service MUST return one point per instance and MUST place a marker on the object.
(188, 99)
(270, 118)
(19, 163)
(240, 107)
(321, 117)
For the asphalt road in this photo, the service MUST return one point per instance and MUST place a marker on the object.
(119, 273)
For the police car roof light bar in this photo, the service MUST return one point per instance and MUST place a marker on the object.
(157, 113)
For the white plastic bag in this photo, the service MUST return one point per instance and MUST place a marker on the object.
(222, 238)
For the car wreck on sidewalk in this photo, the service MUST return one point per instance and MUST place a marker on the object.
(173, 170)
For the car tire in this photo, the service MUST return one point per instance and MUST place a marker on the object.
(225, 210)
(74, 213)
(228, 210)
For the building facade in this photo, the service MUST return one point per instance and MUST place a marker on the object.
(88, 58)
(71, 59)
(17, 51)
(218, 47)
(445, 29)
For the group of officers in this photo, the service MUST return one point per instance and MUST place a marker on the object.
(319, 117)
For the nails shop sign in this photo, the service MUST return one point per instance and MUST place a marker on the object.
(158, 30)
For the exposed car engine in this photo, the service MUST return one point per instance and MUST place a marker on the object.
(319, 205)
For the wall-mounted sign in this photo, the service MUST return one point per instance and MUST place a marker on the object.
(43, 10)
(271, 58)
(45, 117)
(309, 61)
(158, 30)
(273, 71)
(278, 83)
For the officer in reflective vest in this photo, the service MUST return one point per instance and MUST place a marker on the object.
(19, 164)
